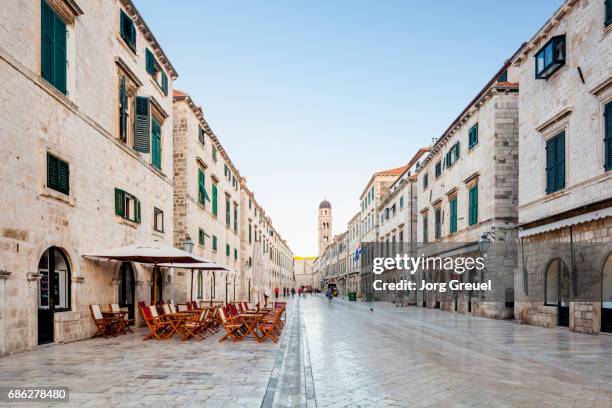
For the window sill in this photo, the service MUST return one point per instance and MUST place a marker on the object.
(56, 195)
(157, 171)
(127, 222)
(132, 52)
(471, 149)
(158, 234)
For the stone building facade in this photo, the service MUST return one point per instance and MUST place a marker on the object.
(353, 282)
(206, 203)
(564, 276)
(304, 272)
(397, 216)
(87, 147)
(468, 189)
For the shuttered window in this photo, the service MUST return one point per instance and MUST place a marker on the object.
(214, 244)
(122, 110)
(214, 153)
(127, 206)
(437, 223)
(425, 180)
(215, 208)
(201, 237)
(425, 229)
(438, 169)
(227, 250)
(555, 163)
(608, 131)
(58, 174)
(228, 212)
(156, 148)
(202, 194)
(141, 124)
(127, 30)
(201, 134)
(235, 254)
(158, 220)
(150, 62)
(473, 136)
(608, 19)
(453, 215)
(473, 205)
(53, 48)
(235, 219)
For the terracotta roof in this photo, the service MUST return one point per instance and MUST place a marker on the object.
(392, 172)
(177, 94)
(507, 84)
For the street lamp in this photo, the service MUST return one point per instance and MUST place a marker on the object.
(484, 243)
(188, 244)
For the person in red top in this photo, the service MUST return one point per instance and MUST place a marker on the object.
(276, 290)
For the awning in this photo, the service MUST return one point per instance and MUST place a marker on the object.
(579, 219)
(151, 253)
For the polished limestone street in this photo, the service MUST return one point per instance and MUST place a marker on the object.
(335, 355)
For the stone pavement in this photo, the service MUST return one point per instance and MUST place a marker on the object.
(335, 355)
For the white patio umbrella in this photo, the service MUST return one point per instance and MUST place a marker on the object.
(258, 271)
(151, 253)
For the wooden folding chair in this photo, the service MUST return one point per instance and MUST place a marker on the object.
(271, 327)
(233, 328)
(104, 325)
(125, 322)
(159, 328)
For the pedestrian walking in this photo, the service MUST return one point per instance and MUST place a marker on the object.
(299, 292)
(276, 290)
(329, 294)
(292, 291)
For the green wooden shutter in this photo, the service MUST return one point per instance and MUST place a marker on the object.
(453, 216)
(46, 61)
(425, 229)
(214, 199)
(550, 165)
(120, 202)
(473, 206)
(608, 126)
(608, 19)
(136, 210)
(53, 48)
(150, 62)
(235, 219)
(141, 124)
(560, 162)
(164, 83)
(52, 172)
(59, 54)
(201, 236)
(227, 250)
(64, 177)
(214, 244)
(201, 187)
(156, 148)
(127, 30)
(235, 254)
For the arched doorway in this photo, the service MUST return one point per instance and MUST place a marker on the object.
(557, 290)
(606, 296)
(53, 290)
(157, 286)
(127, 288)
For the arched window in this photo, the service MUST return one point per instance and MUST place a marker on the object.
(200, 285)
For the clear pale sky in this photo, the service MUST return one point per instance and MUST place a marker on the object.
(311, 97)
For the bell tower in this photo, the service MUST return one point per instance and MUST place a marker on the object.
(325, 225)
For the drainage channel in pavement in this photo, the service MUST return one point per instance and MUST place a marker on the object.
(291, 383)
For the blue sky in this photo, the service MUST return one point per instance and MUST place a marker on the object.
(310, 98)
